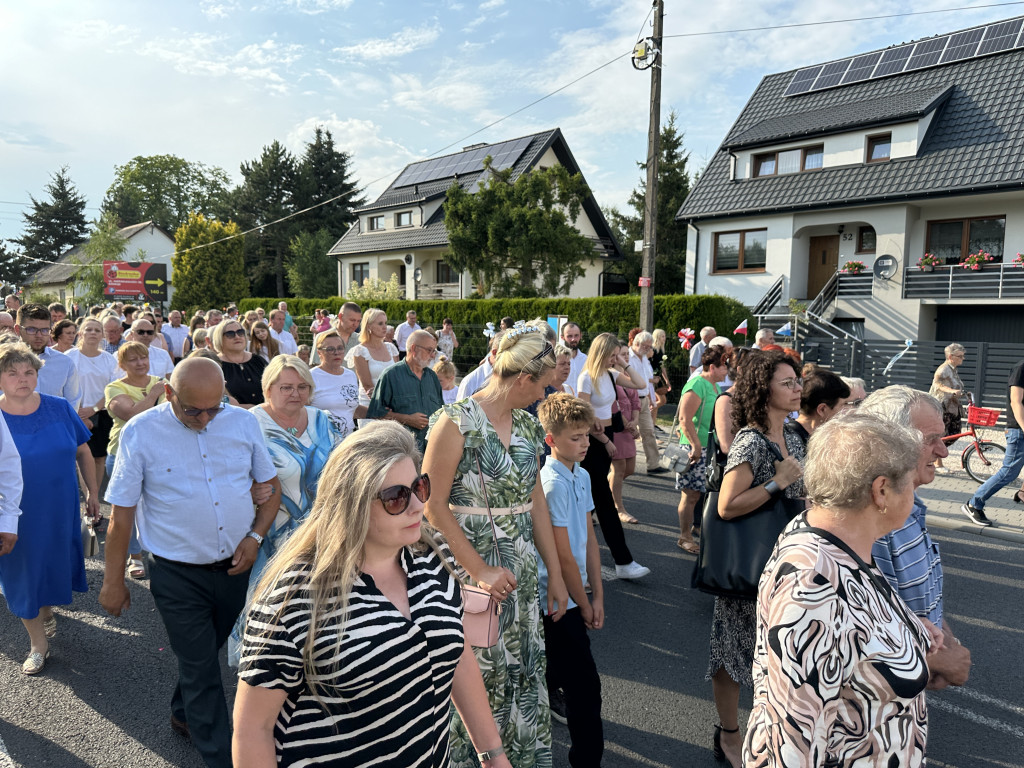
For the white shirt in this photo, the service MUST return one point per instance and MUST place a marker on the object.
(160, 363)
(576, 366)
(475, 380)
(602, 395)
(402, 334)
(10, 480)
(336, 394)
(175, 338)
(286, 342)
(194, 486)
(643, 365)
(58, 377)
(94, 373)
(696, 354)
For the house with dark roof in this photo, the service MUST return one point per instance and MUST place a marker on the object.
(878, 158)
(156, 246)
(403, 233)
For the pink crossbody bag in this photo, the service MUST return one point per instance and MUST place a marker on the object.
(481, 613)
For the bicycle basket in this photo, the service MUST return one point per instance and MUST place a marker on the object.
(982, 417)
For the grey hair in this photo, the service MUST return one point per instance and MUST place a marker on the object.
(847, 453)
(853, 381)
(706, 330)
(562, 351)
(762, 334)
(644, 337)
(954, 349)
(894, 404)
(721, 341)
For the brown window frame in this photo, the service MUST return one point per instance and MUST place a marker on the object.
(873, 141)
(363, 265)
(398, 222)
(739, 267)
(860, 240)
(965, 233)
(375, 223)
(445, 270)
(758, 158)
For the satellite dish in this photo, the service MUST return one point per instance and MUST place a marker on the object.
(885, 267)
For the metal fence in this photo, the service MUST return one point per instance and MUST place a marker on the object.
(985, 370)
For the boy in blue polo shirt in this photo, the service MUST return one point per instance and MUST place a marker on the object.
(571, 668)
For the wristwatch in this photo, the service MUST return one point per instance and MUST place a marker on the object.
(772, 487)
(490, 754)
(256, 537)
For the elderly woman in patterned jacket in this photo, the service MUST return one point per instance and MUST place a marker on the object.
(835, 644)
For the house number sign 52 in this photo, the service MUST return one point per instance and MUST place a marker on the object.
(847, 236)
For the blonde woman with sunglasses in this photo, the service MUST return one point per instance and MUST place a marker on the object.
(354, 643)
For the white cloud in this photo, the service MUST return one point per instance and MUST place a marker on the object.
(403, 42)
(217, 9)
(489, 4)
(314, 7)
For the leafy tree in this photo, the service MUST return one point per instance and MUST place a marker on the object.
(210, 276)
(322, 174)
(311, 272)
(58, 224)
(165, 189)
(673, 188)
(104, 244)
(510, 235)
(14, 268)
(266, 195)
(374, 290)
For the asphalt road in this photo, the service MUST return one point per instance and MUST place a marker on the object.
(103, 699)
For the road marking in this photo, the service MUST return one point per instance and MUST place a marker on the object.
(977, 696)
(967, 714)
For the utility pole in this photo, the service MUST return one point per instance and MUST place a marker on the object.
(647, 283)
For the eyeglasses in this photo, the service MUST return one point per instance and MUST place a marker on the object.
(240, 333)
(289, 389)
(853, 403)
(331, 350)
(396, 497)
(140, 332)
(35, 331)
(194, 413)
(792, 383)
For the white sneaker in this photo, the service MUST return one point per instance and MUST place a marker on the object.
(632, 571)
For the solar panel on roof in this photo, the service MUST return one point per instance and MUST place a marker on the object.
(861, 67)
(1000, 37)
(831, 74)
(803, 80)
(504, 155)
(927, 53)
(893, 60)
(962, 45)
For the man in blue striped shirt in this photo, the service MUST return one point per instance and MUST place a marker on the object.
(908, 558)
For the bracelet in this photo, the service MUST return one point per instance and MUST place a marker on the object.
(490, 754)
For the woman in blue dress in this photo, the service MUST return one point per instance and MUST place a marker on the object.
(47, 563)
(300, 439)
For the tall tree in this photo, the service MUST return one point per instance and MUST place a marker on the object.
(56, 224)
(212, 275)
(104, 244)
(673, 188)
(510, 235)
(164, 189)
(311, 272)
(266, 195)
(14, 268)
(323, 174)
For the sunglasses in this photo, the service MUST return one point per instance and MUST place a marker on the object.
(240, 333)
(396, 498)
(141, 332)
(194, 413)
(548, 350)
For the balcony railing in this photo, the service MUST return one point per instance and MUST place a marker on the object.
(855, 286)
(992, 281)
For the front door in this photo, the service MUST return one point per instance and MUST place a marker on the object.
(824, 261)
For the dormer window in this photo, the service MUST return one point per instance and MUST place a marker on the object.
(879, 148)
(375, 223)
(403, 219)
(789, 161)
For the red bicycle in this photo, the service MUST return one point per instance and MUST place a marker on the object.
(981, 458)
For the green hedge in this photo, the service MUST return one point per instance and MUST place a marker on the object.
(616, 314)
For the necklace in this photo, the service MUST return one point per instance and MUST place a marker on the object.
(292, 430)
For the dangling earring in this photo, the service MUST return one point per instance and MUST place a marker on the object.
(884, 510)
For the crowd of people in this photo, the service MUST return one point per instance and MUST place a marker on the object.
(327, 512)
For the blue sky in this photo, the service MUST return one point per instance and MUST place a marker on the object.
(93, 83)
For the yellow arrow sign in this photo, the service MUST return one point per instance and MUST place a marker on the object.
(158, 282)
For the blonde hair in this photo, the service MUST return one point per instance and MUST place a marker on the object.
(562, 411)
(599, 358)
(444, 368)
(520, 351)
(279, 365)
(81, 328)
(328, 546)
(369, 318)
(659, 339)
(200, 334)
(217, 335)
(131, 349)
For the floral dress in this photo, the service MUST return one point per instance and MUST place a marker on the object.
(513, 669)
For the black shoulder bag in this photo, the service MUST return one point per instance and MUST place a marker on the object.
(733, 552)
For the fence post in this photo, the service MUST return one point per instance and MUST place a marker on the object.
(979, 373)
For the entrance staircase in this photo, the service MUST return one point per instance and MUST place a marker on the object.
(815, 320)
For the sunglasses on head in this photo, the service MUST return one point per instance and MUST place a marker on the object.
(396, 498)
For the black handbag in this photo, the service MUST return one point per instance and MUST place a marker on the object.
(618, 423)
(733, 552)
(714, 467)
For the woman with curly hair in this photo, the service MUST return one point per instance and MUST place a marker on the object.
(767, 390)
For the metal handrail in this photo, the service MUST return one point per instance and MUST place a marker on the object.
(825, 326)
(771, 297)
(825, 296)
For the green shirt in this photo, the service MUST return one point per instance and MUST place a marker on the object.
(399, 390)
(705, 411)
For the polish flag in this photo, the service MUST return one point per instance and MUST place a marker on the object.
(741, 328)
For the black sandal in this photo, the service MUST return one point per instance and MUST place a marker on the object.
(717, 749)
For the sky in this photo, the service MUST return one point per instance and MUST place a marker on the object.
(94, 83)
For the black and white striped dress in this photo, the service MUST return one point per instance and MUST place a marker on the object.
(387, 691)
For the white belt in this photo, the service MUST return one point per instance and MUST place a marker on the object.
(517, 509)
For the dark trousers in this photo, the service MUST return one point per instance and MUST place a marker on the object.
(198, 608)
(571, 667)
(597, 463)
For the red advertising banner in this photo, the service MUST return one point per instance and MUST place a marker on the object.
(135, 280)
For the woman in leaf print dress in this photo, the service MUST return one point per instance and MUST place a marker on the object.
(491, 428)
